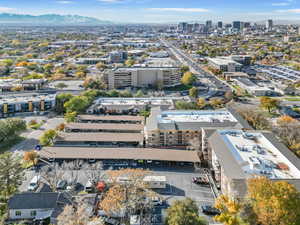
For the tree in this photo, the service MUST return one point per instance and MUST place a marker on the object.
(230, 211)
(77, 214)
(286, 120)
(131, 196)
(11, 174)
(188, 78)
(61, 99)
(77, 104)
(229, 95)
(31, 157)
(100, 66)
(274, 202)
(70, 117)
(184, 212)
(256, 119)
(139, 94)
(269, 103)
(201, 103)
(48, 137)
(10, 129)
(216, 102)
(129, 62)
(184, 69)
(193, 92)
(61, 85)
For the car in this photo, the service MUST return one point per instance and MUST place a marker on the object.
(210, 210)
(200, 180)
(61, 185)
(34, 183)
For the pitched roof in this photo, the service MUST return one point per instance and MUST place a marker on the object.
(29, 200)
(119, 153)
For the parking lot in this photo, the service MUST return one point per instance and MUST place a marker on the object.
(179, 186)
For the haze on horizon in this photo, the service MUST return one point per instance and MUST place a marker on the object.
(158, 11)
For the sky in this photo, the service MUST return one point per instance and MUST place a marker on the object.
(161, 11)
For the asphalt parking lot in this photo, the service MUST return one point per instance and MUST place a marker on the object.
(179, 186)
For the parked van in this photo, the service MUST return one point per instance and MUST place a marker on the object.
(34, 183)
(89, 187)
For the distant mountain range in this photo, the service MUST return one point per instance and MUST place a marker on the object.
(49, 19)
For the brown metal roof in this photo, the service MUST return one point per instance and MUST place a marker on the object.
(126, 137)
(104, 126)
(119, 153)
(124, 118)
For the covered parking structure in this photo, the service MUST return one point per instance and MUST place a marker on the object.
(131, 156)
(100, 139)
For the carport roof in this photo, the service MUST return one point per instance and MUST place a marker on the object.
(120, 153)
(104, 126)
(98, 137)
(117, 118)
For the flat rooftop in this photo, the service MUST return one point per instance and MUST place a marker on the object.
(119, 153)
(137, 101)
(256, 153)
(105, 126)
(110, 118)
(100, 137)
(25, 99)
(140, 68)
(196, 116)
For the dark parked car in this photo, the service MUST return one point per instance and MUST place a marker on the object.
(210, 210)
(61, 185)
(200, 180)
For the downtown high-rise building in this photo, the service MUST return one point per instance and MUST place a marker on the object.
(269, 25)
(220, 24)
(208, 24)
(237, 25)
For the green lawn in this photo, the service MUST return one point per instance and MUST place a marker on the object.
(294, 99)
(9, 144)
(181, 87)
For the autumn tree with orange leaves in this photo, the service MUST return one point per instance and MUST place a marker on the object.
(128, 194)
(31, 157)
(274, 202)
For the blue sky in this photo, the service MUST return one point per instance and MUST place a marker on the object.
(161, 10)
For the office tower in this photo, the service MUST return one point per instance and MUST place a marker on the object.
(269, 25)
(247, 25)
(220, 24)
(182, 27)
(189, 28)
(209, 24)
(237, 25)
(196, 27)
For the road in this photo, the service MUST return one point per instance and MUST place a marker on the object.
(32, 136)
(215, 85)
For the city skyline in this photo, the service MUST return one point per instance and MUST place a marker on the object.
(155, 11)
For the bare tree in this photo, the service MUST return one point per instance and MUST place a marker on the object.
(51, 175)
(129, 196)
(93, 172)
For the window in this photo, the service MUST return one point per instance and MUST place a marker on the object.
(33, 213)
(18, 213)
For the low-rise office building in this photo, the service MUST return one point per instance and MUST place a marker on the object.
(253, 88)
(177, 128)
(142, 77)
(17, 105)
(131, 106)
(225, 64)
(237, 155)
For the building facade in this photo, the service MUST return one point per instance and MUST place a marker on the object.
(142, 77)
